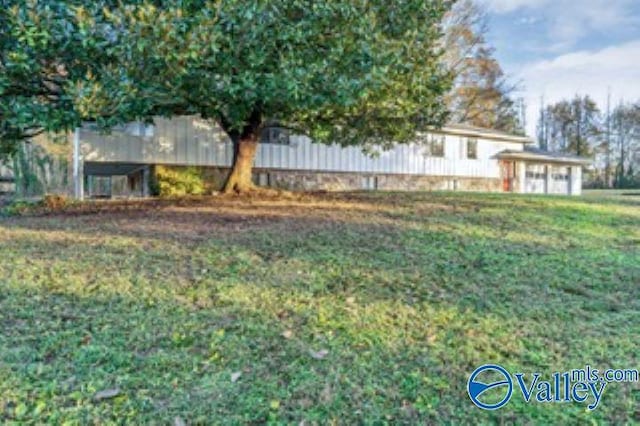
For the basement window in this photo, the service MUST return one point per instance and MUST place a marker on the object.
(369, 183)
(262, 179)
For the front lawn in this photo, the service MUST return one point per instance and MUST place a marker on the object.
(345, 308)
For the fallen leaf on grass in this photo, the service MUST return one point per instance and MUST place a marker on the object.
(327, 394)
(321, 354)
(287, 334)
(106, 394)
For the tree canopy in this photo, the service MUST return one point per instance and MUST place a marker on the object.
(355, 72)
(32, 71)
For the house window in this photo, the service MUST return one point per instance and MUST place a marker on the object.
(535, 174)
(138, 129)
(435, 146)
(99, 186)
(262, 179)
(369, 183)
(134, 128)
(276, 136)
(560, 176)
(472, 149)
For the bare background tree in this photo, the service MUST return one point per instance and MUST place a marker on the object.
(482, 95)
(625, 145)
(578, 126)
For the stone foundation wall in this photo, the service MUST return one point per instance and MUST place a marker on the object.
(213, 179)
(438, 183)
(297, 180)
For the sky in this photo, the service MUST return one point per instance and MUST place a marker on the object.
(557, 48)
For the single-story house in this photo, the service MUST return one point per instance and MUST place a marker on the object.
(457, 157)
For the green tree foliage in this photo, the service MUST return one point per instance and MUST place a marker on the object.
(38, 57)
(37, 171)
(349, 71)
(357, 72)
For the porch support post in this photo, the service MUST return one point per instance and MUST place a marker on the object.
(547, 180)
(78, 167)
(146, 173)
(521, 174)
(575, 180)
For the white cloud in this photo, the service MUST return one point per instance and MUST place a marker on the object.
(583, 72)
(528, 20)
(564, 22)
(506, 6)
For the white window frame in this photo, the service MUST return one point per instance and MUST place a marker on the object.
(468, 141)
(432, 140)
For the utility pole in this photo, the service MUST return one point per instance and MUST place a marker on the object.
(523, 114)
(620, 167)
(607, 169)
(542, 130)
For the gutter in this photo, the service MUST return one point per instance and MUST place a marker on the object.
(447, 130)
(545, 158)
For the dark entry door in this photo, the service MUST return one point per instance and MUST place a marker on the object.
(508, 173)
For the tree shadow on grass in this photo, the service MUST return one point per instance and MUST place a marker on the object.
(410, 247)
(373, 262)
(406, 299)
(195, 220)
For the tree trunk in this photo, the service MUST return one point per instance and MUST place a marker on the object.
(244, 152)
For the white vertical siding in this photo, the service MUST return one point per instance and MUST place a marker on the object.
(192, 141)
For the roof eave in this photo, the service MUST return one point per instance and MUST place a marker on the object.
(486, 135)
(544, 158)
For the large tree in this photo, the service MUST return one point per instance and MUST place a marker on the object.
(625, 139)
(572, 126)
(482, 94)
(356, 72)
(576, 126)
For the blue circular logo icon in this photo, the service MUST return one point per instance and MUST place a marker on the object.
(497, 378)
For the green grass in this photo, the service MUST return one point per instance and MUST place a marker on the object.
(359, 308)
